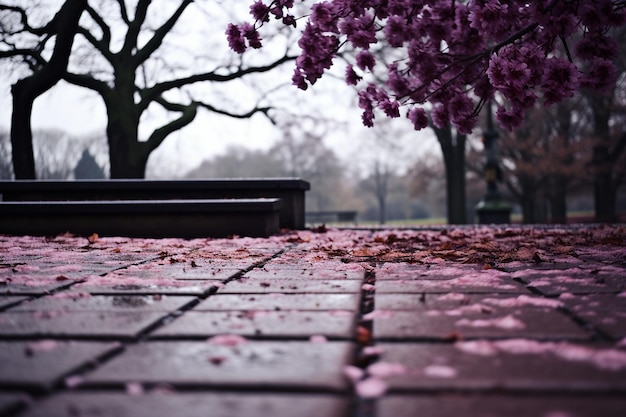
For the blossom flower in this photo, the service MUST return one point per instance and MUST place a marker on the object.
(417, 116)
(560, 81)
(235, 38)
(435, 50)
(365, 60)
(352, 78)
(260, 11)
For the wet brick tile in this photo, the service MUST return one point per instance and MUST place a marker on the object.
(11, 401)
(463, 285)
(222, 404)
(280, 301)
(206, 274)
(604, 311)
(8, 300)
(528, 323)
(456, 315)
(574, 280)
(261, 323)
(179, 287)
(73, 301)
(99, 324)
(514, 364)
(294, 260)
(33, 288)
(300, 365)
(38, 364)
(184, 271)
(250, 286)
(400, 270)
(304, 274)
(501, 405)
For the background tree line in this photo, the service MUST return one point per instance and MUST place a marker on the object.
(139, 59)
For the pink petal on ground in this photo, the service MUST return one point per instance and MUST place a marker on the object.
(524, 300)
(73, 381)
(373, 351)
(610, 359)
(134, 388)
(42, 345)
(227, 340)
(507, 322)
(371, 388)
(318, 338)
(477, 347)
(386, 369)
(523, 346)
(368, 287)
(383, 314)
(440, 371)
(453, 296)
(353, 373)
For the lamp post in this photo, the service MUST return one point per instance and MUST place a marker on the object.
(493, 208)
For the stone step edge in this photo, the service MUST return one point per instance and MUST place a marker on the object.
(143, 218)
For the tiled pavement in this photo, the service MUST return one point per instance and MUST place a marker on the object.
(445, 322)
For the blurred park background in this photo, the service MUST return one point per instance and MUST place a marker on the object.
(390, 174)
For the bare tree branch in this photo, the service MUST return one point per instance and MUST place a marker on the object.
(150, 94)
(155, 42)
(134, 27)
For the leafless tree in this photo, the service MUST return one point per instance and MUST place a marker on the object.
(129, 53)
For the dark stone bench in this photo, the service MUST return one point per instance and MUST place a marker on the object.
(142, 218)
(341, 216)
(290, 190)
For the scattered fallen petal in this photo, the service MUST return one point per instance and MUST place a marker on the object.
(42, 346)
(440, 371)
(93, 238)
(371, 388)
(507, 322)
(134, 388)
(373, 351)
(227, 340)
(477, 347)
(318, 338)
(353, 373)
(73, 381)
(453, 296)
(383, 314)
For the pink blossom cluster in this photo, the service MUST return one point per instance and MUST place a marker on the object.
(453, 54)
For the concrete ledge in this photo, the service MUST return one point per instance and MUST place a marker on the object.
(143, 218)
(290, 190)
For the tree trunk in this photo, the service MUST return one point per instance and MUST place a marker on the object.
(21, 133)
(559, 200)
(603, 190)
(601, 159)
(26, 90)
(528, 208)
(127, 155)
(453, 149)
(382, 210)
(128, 158)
